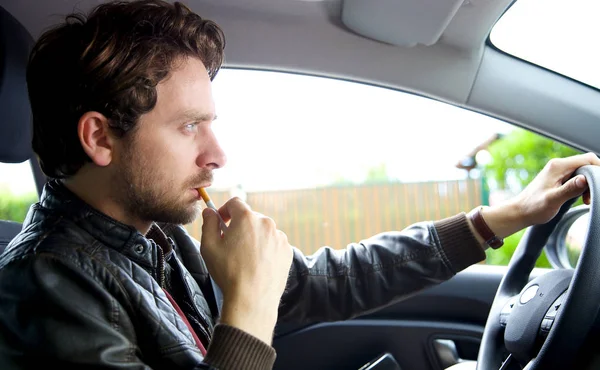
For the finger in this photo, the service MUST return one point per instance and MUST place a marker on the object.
(259, 215)
(570, 164)
(234, 208)
(583, 159)
(592, 158)
(224, 213)
(587, 198)
(282, 235)
(571, 189)
(211, 233)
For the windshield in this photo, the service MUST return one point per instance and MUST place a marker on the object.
(555, 34)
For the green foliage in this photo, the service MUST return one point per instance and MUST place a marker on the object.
(520, 155)
(342, 181)
(15, 208)
(377, 175)
(503, 255)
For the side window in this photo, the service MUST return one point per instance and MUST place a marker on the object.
(334, 162)
(17, 191)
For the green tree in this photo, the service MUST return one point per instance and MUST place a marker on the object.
(13, 207)
(377, 174)
(520, 155)
(516, 159)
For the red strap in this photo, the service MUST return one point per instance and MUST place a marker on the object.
(185, 320)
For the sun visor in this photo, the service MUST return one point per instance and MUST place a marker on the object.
(400, 22)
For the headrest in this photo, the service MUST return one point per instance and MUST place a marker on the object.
(15, 112)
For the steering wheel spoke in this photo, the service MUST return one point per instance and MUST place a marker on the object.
(507, 310)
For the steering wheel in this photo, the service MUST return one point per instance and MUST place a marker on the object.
(544, 322)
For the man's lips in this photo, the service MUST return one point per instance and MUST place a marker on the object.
(197, 192)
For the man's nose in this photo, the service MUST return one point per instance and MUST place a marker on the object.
(212, 154)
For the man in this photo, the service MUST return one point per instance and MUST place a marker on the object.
(103, 276)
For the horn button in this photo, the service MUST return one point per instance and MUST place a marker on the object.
(529, 316)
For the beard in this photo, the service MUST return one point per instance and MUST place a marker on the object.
(148, 194)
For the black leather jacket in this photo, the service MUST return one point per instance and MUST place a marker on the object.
(80, 289)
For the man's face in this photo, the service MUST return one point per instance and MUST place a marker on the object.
(172, 151)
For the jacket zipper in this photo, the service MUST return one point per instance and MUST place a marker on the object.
(202, 319)
(161, 267)
(161, 280)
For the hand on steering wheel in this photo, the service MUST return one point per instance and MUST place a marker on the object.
(543, 323)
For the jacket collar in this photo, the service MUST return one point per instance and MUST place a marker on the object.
(124, 238)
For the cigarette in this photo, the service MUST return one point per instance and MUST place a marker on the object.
(210, 204)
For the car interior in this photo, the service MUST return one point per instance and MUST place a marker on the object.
(440, 50)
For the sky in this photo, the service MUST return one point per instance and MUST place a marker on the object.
(285, 131)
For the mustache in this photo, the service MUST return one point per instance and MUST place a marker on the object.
(201, 178)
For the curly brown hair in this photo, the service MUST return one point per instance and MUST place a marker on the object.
(109, 61)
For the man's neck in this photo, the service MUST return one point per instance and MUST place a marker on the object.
(95, 191)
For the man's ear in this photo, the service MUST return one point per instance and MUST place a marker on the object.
(95, 137)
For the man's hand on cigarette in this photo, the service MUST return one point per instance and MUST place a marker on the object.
(250, 263)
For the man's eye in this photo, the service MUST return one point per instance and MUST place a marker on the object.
(191, 127)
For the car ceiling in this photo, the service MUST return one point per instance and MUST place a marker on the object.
(453, 61)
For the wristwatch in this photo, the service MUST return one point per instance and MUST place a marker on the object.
(482, 228)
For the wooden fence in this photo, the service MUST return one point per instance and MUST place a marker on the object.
(337, 215)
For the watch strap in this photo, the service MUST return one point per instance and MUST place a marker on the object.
(482, 228)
